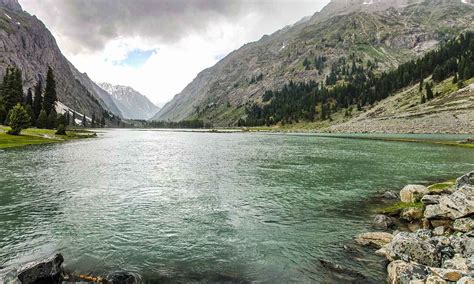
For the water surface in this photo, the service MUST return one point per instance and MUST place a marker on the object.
(205, 206)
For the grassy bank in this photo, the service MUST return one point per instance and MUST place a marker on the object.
(34, 136)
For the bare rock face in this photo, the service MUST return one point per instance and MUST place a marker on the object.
(25, 42)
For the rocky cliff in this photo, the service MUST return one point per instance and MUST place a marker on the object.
(130, 102)
(387, 32)
(25, 42)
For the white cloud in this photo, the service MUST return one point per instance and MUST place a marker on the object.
(175, 63)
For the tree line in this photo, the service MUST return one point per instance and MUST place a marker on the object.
(311, 101)
(37, 107)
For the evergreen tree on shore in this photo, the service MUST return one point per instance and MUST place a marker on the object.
(18, 119)
(12, 88)
(50, 96)
(38, 99)
(42, 121)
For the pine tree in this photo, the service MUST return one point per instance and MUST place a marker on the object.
(18, 119)
(12, 88)
(93, 121)
(74, 118)
(31, 114)
(38, 99)
(52, 119)
(429, 92)
(42, 121)
(421, 85)
(102, 122)
(455, 78)
(84, 121)
(29, 98)
(50, 96)
(68, 118)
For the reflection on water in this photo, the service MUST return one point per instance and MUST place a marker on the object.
(204, 206)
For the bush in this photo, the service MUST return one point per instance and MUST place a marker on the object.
(18, 119)
(61, 130)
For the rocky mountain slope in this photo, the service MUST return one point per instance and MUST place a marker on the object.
(385, 32)
(452, 111)
(130, 102)
(26, 43)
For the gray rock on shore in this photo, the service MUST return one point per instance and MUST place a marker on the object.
(48, 271)
(413, 193)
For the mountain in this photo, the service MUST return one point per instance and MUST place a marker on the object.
(25, 42)
(130, 102)
(385, 32)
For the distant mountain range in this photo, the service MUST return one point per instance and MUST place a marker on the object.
(385, 32)
(130, 102)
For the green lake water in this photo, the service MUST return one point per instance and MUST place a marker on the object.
(186, 206)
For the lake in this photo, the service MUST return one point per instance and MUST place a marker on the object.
(190, 206)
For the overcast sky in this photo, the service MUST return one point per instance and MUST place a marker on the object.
(159, 46)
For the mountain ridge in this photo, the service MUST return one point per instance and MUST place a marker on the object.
(391, 32)
(132, 104)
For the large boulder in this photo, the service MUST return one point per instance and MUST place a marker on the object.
(418, 247)
(464, 224)
(454, 206)
(382, 222)
(400, 272)
(467, 179)
(49, 271)
(413, 193)
(463, 245)
(376, 239)
(458, 262)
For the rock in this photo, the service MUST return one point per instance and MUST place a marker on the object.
(413, 193)
(382, 221)
(411, 214)
(429, 199)
(464, 224)
(434, 279)
(463, 245)
(458, 262)
(454, 206)
(447, 274)
(390, 195)
(376, 239)
(343, 271)
(438, 231)
(400, 271)
(121, 278)
(467, 179)
(413, 227)
(418, 247)
(49, 271)
(441, 223)
(466, 280)
(426, 224)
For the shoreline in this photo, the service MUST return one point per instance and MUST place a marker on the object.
(428, 235)
(35, 136)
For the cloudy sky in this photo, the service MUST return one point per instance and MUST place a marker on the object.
(159, 46)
